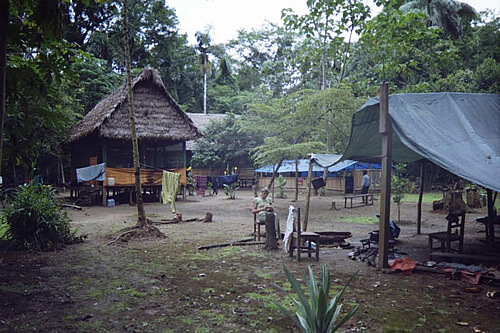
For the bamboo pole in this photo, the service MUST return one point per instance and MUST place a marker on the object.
(385, 130)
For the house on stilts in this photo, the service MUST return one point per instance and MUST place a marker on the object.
(102, 139)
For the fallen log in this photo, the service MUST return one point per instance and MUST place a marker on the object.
(213, 246)
(178, 219)
(71, 206)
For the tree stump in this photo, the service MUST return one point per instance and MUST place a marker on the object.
(473, 200)
(271, 242)
(457, 203)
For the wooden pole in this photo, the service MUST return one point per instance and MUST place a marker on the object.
(385, 130)
(308, 193)
(491, 222)
(296, 195)
(420, 197)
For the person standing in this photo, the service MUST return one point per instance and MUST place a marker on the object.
(365, 185)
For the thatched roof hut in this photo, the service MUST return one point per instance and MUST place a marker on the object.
(158, 116)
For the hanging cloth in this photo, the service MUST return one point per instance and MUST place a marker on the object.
(289, 228)
(93, 172)
(170, 184)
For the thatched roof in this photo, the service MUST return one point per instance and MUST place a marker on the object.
(201, 121)
(158, 116)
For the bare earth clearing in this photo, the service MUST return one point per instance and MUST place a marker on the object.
(167, 285)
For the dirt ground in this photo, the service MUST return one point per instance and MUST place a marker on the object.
(168, 285)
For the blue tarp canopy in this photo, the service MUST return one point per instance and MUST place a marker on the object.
(303, 165)
(460, 132)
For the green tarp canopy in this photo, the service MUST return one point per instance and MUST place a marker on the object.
(460, 132)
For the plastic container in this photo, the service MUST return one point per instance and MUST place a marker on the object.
(110, 203)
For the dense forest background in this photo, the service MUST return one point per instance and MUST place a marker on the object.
(295, 86)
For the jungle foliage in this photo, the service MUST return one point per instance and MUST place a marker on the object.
(295, 86)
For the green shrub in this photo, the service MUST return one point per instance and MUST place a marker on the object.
(319, 313)
(281, 187)
(36, 221)
(230, 190)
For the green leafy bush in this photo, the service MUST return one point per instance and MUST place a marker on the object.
(230, 190)
(36, 221)
(318, 313)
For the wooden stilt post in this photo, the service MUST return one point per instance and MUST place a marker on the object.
(308, 194)
(420, 196)
(385, 130)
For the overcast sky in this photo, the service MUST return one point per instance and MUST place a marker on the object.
(226, 17)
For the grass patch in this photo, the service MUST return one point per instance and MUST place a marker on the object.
(230, 251)
(359, 219)
(134, 293)
(219, 318)
(263, 275)
(428, 197)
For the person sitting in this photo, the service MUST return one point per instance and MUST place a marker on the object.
(262, 205)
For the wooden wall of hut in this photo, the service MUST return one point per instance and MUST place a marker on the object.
(336, 184)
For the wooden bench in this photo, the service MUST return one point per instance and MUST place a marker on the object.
(366, 199)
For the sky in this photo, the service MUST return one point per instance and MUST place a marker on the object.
(226, 17)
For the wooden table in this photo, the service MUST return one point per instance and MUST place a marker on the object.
(366, 199)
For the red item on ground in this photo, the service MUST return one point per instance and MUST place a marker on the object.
(406, 265)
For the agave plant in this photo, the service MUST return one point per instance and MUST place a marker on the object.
(318, 313)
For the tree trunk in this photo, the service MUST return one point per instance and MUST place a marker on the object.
(457, 204)
(274, 174)
(204, 91)
(473, 200)
(141, 214)
(271, 243)
(4, 24)
(308, 194)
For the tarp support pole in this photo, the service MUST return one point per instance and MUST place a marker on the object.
(491, 222)
(420, 196)
(385, 130)
(308, 193)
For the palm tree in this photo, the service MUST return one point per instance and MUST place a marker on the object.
(446, 14)
(203, 40)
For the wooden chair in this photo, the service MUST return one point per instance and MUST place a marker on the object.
(299, 238)
(454, 233)
(256, 227)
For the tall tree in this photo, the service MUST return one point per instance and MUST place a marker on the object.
(323, 29)
(4, 24)
(141, 214)
(446, 14)
(204, 40)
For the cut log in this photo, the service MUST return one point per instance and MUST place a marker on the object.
(271, 242)
(457, 203)
(438, 204)
(473, 199)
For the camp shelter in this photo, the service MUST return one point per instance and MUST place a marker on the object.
(344, 176)
(103, 135)
(457, 131)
